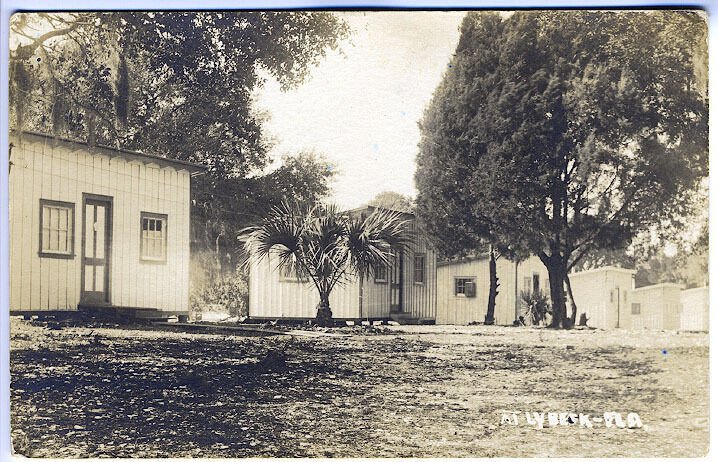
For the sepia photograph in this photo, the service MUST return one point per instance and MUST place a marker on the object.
(358, 233)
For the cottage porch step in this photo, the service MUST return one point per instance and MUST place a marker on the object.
(404, 318)
(138, 313)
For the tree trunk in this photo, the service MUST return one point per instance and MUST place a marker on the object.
(572, 319)
(493, 288)
(324, 313)
(556, 275)
(361, 295)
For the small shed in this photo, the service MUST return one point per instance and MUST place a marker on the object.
(463, 289)
(404, 290)
(656, 307)
(95, 227)
(695, 309)
(604, 296)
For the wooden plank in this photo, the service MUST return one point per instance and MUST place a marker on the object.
(45, 193)
(30, 235)
(17, 184)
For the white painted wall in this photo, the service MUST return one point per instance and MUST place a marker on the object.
(660, 307)
(272, 297)
(460, 310)
(604, 295)
(695, 309)
(42, 169)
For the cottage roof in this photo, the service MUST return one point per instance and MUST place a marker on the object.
(195, 169)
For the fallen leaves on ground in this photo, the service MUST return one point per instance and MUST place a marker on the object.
(425, 392)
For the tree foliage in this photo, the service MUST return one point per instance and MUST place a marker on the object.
(565, 132)
(180, 85)
(394, 201)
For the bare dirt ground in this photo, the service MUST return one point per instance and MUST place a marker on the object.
(429, 391)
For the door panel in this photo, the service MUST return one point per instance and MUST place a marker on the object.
(97, 217)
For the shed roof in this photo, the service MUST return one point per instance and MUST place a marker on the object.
(195, 169)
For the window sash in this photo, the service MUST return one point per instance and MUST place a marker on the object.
(153, 237)
(419, 268)
(380, 273)
(460, 286)
(57, 220)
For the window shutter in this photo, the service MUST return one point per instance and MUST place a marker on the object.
(470, 289)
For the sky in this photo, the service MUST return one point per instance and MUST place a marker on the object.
(360, 107)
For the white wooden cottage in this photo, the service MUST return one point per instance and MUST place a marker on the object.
(605, 296)
(463, 289)
(97, 228)
(404, 291)
(656, 306)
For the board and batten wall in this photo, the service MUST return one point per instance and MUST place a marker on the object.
(604, 295)
(656, 306)
(695, 309)
(272, 296)
(63, 171)
(461, 310)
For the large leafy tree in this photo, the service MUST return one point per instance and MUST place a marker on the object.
(326, 246)
(565, 132)
(178, 84)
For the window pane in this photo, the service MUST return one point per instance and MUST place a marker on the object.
(63, 219)
(152, 225)
(145, 224)
(63, 241)
(46, 217)
(45, 239)
(54, 218)
(89, 231)
(159, 225)
(100, 232)
(52, 245)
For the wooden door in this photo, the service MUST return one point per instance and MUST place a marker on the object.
(397, 283)
(96, 249)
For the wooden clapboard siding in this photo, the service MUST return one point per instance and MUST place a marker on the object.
(660, 308)
(694, 315)
(420, 299)
(63, 171)
(453, 309)
(272, 297)
(592, 291)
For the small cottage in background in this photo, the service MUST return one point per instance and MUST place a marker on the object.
(97, 228)
(404, 291)
(604, 296)
(463, 289)
(656, 307)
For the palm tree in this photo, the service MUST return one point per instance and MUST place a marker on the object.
(326, 246)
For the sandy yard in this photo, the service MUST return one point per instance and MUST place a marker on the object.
(416, 391)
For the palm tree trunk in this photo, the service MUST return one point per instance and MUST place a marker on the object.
(361, 295)
(324, 313)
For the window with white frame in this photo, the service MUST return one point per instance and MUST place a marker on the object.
(465, 287)
(57, 229)
(419, 268)
(153, 237)
(635, 308)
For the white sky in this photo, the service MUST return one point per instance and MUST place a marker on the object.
(360, 108)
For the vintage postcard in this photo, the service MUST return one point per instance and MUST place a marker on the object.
(358, 233)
